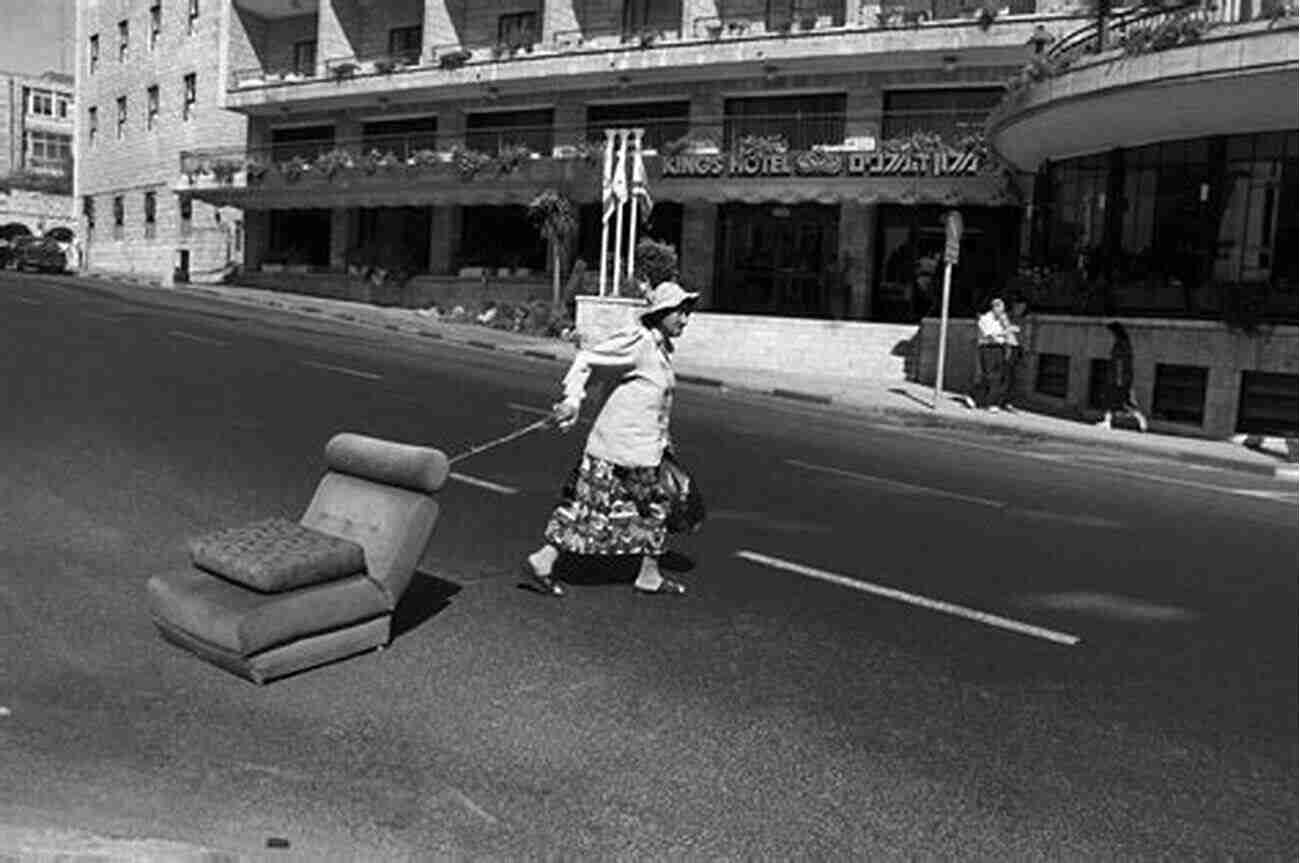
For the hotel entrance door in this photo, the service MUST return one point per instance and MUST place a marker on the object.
(778, 260)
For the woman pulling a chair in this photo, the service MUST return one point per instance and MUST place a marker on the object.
(617, 505)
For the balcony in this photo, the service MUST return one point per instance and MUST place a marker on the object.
(1152, 74)
(901, 36)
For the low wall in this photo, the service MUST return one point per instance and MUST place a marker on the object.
(420, 292)
(844, 350)
(1211, 345)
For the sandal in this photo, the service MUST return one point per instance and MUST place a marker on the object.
(545, 583)
(666, 586)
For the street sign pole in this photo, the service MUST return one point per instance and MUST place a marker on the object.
(951, 250)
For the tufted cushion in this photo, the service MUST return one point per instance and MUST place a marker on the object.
(417, 468)
(276, 555)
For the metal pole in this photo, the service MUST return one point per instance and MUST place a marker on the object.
(631, 231)
(620, 166)
(943, 334)
(605, 178)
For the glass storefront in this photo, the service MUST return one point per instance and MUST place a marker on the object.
(776, 259)
(1204, 227)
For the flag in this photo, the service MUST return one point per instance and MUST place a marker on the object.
(640, 188)
(618, 184)
(606, 180)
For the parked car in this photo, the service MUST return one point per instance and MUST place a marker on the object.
(45, 255)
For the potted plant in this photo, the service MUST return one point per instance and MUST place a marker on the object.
(647, 38)
(807, 22)
(331, 162)
(293, 169)
(714, 30)
(385, 65)
(345, 69)
(454, 59)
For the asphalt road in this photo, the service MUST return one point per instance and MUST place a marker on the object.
(900, 642)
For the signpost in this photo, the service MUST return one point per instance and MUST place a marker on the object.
(951, 249)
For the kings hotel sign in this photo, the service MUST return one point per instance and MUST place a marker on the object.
(825, 163)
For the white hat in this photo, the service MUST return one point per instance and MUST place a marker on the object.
(667, 295)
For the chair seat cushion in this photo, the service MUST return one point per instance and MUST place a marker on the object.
(246, 621)
(276, 555)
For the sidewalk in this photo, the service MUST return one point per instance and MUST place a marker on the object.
(904, 399)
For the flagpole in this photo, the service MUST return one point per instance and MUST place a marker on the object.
(620, 165)
(606, 178)
(631, 231)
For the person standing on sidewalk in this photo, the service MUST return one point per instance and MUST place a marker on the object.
(1012, 351)
(990, 382)
(1120, 398)
(617, 505)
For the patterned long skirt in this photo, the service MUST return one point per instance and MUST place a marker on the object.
(611, 510)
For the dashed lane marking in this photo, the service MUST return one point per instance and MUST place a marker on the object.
(29, 301)
(962, 611)
(344, 370)
(896, 484)
(483, 483)
(203, 340)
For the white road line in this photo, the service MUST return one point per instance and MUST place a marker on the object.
(203, 340)
(893, 483)
(1066, 460)
(344, 370)
(29, 301)
(483, 483)
(913, 599)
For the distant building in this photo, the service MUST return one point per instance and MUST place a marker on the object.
(36, 151)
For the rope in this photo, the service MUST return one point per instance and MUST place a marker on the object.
(492, 444)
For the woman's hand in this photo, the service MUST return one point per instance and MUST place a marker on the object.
(565, 415)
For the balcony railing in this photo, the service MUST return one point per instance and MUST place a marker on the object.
(517, 41)
(1128, 27)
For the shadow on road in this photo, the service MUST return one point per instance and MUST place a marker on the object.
(424, 597)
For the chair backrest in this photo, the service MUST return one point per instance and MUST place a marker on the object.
(377, 493)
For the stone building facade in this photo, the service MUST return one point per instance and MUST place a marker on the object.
(36, 145)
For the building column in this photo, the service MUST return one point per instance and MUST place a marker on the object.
(257, 225)
(339, 239)
(1222, 398)
(444, 239)
(856, 256)
(699, 241)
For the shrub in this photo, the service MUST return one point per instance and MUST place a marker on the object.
(655, 262)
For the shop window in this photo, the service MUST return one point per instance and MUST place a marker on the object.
(392, 238)
(155, 25)
(300, 237)
(94, 53)
(92, 124)
(775, 259)
(662, 121)
(191, 85)
(664, 225)
(400, 137)
(307, 142)
(518, 30)
(489, 131)
(304, 58)
(121, 117)
(123, 39)
(1179, 393)
(1053, 375)
(1269, 404)
(151, 116)
(664, 16)
(950, 113)
(88, 211)
(405, 43)
(119, 216)
(496, 237)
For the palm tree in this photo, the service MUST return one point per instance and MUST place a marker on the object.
(557, 220)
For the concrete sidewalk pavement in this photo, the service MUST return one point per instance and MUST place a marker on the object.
(904, 399)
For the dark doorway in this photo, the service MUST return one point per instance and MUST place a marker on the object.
(299, 237)
(393, 238)
(776, 259)
(909, 260)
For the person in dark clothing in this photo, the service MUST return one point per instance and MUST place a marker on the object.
(1120, 398)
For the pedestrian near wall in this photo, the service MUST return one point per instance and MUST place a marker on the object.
(617, 505)
(1120, 397)
(1012, 351)
(990, 383)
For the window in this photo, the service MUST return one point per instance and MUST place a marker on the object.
(1268, 405)
(92, 124)
(951, 114)
(88, 210)
(47, 151)
(304, 57)
(489, 131)
(305, 141)
(151, 115)
(121, 117)
(123, 39)
(41, 102)
(1180, 393)
(400, 137)
(150, 214)
(1053, 377)
(659, 15)
(63, 109)
(405, 43)
(802, 120)
(191, 95)
(155, 25)
(193, 17)
(94, 53)
(187, 215)
(662, 121)
(1099, 384)
(518, 30)
(119, 216)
